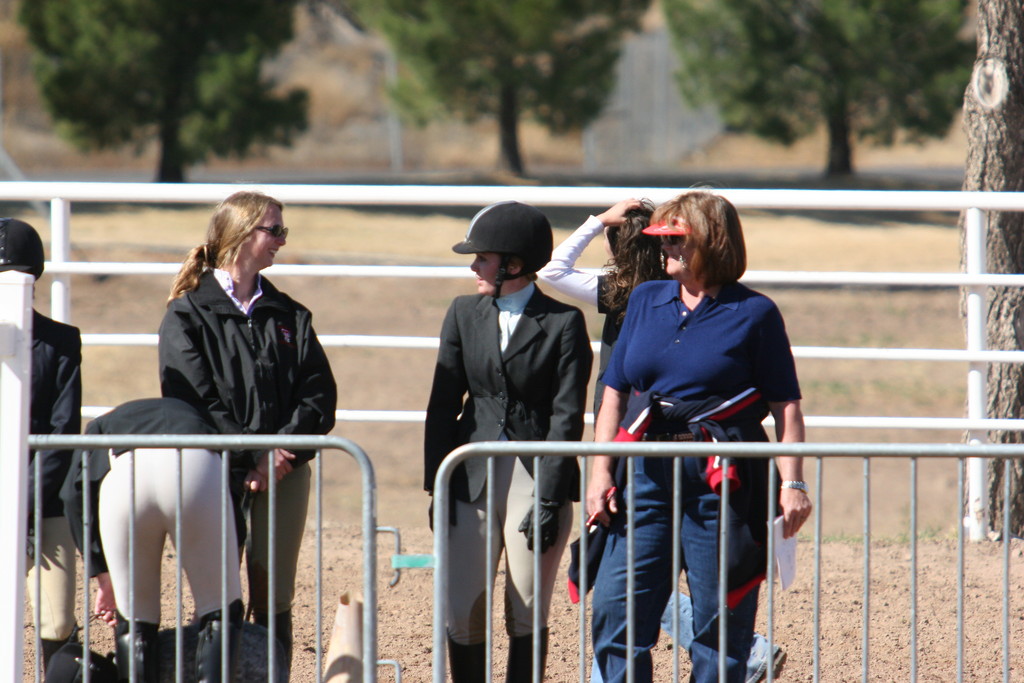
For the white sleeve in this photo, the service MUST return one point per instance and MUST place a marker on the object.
(561, 272)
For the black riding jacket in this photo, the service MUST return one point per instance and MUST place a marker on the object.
(56, 404)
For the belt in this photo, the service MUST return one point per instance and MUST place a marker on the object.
(681, 436)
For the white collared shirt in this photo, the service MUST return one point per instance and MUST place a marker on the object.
(228, 285)
(510, 310)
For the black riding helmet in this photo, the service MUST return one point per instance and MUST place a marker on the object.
(20, 247)
(512, 229)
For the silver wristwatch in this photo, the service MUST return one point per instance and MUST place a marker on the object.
(798, 485)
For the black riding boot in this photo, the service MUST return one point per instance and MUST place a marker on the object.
(208, 649)
(145, 653)
(520, 658)
(282, 633)
(467, 662)
(283, 629)
(48, 648)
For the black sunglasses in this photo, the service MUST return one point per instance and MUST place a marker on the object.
(275, 231)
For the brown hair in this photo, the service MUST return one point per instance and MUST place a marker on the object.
(720, 254)
(636, 258)
(232, 222)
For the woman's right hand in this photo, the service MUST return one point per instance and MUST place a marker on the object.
(600, 505)
(255, 481)
(105, 606)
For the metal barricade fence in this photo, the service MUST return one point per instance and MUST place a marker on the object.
(224, 444)
(819, 453)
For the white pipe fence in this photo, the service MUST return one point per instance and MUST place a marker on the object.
(974, 280)
(15, 380)
(820, 452)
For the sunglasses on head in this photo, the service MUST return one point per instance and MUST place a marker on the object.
(275, 231)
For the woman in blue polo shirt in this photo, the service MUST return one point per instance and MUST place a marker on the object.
(700, 357)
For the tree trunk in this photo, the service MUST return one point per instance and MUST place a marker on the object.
(172, 165)
(994, 119)
(508, 122)
(840, 154)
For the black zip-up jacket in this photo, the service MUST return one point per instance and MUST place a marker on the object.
(264, 374)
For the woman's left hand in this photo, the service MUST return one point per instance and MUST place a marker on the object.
(282, 464)
(789, 428)
(259, 478)
(796, 508)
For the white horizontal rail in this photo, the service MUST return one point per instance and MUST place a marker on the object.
(166, 268)
(948, 355)
(753, 277)
(469, 195)
(818, 421)
(431, 343)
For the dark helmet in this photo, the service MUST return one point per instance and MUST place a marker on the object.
(510, 228)
(20, 247)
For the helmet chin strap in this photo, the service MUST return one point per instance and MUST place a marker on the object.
(503, 275)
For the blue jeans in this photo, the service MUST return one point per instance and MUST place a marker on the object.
(758, 663)
(655, 583)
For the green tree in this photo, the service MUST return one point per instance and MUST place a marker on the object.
(187, 72)
(864, 68)
(552, 60)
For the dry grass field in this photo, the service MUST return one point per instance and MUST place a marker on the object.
(399, 379)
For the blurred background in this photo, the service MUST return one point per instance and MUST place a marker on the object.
(646, 114)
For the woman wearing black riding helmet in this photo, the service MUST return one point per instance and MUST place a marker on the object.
(513, 365)
(56, 409)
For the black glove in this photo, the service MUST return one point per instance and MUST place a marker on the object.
(548, 525)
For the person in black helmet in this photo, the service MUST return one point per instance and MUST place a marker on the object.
(56, 408)
(513, 364)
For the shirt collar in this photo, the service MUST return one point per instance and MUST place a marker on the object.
(515, 302)
(228, 285)
(666, 294)
(728, 295)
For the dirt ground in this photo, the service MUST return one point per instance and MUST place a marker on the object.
(399, 379)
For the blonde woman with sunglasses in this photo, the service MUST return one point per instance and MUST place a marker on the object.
(234, 345)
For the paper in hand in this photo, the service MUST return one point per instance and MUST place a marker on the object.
(785, 554)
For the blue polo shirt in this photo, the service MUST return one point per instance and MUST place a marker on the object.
(729, 343)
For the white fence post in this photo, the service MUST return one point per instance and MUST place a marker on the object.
(60, 252)
(15, 379)
(976, 518)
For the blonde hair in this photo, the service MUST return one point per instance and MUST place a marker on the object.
(720, 254)
(232, 222)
